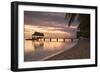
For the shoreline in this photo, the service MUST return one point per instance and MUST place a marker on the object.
(80, 51)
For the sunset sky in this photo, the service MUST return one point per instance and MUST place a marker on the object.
(52, 22)
(53, 19)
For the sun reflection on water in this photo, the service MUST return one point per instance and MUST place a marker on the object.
(36, 50)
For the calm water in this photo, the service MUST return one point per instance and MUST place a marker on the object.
(40, 50)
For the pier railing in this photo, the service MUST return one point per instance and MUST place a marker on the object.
(51, 38)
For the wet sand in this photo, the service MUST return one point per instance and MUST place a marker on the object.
(79, 51)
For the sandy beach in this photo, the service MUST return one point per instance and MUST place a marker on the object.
(79, 51)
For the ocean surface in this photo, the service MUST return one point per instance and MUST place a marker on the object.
(41, 50)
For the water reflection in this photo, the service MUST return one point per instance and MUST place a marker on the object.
(37, 50)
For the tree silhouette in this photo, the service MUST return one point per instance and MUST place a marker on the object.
(84, 23)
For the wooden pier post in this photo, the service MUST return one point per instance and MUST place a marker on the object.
(63, 39)
(44, 39)
(71, 40)
(50, 39)
(57, 39)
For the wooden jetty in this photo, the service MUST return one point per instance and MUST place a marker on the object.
(37, 36)
(50, 39)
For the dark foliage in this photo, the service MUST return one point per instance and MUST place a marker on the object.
(84, 23)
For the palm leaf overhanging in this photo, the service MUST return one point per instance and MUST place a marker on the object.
(84, 23)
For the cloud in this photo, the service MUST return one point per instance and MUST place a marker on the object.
(44, 18)
(48, 20)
